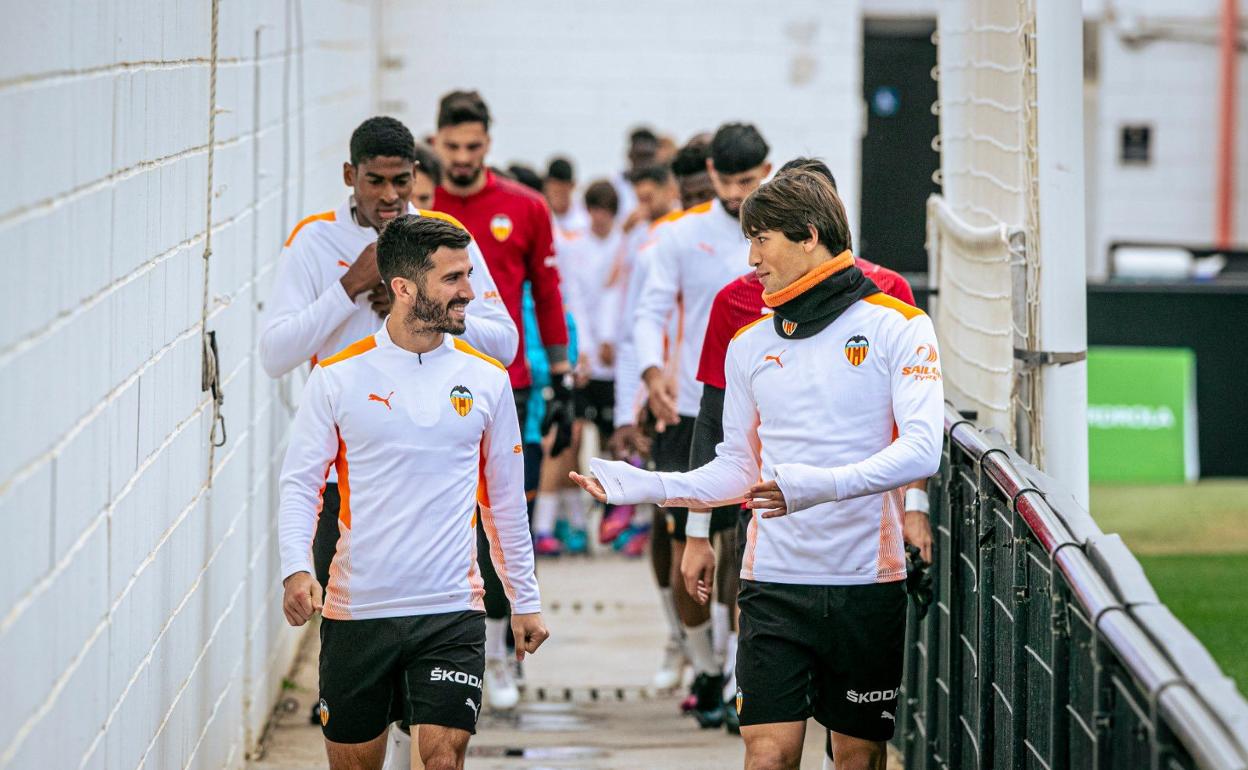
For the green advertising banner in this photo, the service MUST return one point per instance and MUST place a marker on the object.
(1142, 414)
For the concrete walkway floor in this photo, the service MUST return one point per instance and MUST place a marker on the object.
(587, 703)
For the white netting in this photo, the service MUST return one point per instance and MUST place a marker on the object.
(974, 322)
(983, 229)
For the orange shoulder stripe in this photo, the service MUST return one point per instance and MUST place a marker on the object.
(350, 351)
(751, 325)
(464, 347)
(672, 216)
(324, 216)
(884, 300)
(443, 216)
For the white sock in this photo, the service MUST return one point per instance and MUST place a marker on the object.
(545, 509)
(496, 637)
(730, 668)
(828, 764)
(720, 631)
(674, 629)
(701, 654)
(398, 749)
(573, 504)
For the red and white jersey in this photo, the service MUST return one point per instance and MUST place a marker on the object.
(841, 421)
(309, 317)
(586, 267)
(694, 256)
(418, 440)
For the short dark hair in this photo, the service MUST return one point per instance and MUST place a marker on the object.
(642, 134)
(407, 241)
(460, 107)
(792, 203)
(602, 195)
(560, 169)
(691, 159)
(381, 137)
(738, 147)
(525, 176)
(657, 173)
(810, 164)
(428, 163)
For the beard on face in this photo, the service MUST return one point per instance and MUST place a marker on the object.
(464, 180)
(429, 315)
(732, 207)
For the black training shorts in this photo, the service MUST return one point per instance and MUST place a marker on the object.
(831, 652)
(434, 662)
(671, 453)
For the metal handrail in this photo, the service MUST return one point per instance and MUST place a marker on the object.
(1207, 716)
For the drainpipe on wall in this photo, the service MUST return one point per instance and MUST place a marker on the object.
(1225, 203)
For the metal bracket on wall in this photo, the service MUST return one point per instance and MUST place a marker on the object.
(1031, 359)
(210, 380)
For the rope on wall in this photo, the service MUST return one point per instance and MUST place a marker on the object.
(210, 378)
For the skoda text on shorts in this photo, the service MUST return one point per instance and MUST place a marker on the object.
(419, 470)
(838, 452)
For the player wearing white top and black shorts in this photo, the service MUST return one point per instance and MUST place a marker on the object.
(421, 429)
(835, 401)
(328, 292)
(693, 257)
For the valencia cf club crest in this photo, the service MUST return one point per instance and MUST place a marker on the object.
(461, 400)
(740, 700)
(788, 327)
(323, 710)
(500, 227)
(856, 349)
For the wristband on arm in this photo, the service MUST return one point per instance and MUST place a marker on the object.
(916, 500)
(698, 524)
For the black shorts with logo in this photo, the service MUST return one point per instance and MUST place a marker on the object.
(432, 664)
(831, 652)
(670, 453)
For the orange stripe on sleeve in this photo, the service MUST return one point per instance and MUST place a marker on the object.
(324, 216)
(751, 325)
(890, 559)
(443, 216)
(491, 530)
(354, 349)
(883, 300)
(344, 484)
(464, 347)
(338, 595)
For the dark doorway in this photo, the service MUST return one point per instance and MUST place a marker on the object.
(897, 156)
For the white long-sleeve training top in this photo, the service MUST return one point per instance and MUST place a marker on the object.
(629, 395)
(419, 441)
(627, 377)
(309, 317)
(586, 267)
(693, 257)
(841, 420)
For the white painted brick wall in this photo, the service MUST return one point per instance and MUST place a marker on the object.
(563, 77)
(141, 623)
